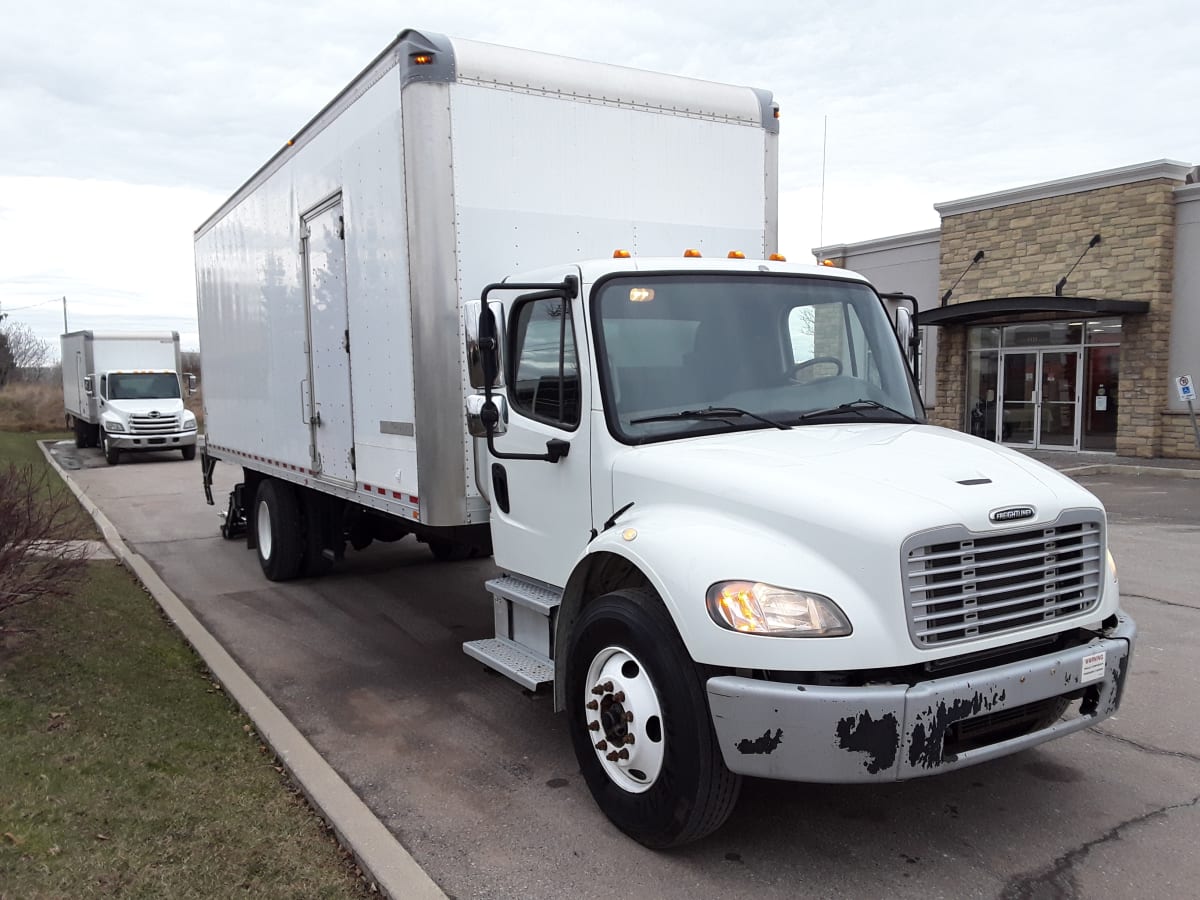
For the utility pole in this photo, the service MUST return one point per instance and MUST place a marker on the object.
(65, 328)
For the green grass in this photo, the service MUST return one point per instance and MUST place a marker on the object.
(21, 449)
(125, 771)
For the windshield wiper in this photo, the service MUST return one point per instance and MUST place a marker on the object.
(711, 412)
(858, 408)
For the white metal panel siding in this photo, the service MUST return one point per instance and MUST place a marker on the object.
(251, 300)
(540, 179)
(138, 353)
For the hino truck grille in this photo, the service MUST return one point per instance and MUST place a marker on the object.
(961, 586)
(153, 424)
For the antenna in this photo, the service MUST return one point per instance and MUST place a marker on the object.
(824, 146)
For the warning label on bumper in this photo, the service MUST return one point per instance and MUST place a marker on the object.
(1093, 667)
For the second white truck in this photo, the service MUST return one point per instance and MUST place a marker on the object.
(514, 303)
(122, 393)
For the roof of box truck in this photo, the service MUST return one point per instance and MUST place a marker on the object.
(431, 57)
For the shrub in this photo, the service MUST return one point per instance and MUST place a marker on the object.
(32, 407)
(34, 561)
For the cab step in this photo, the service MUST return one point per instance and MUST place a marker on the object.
(523, 666)
(524, 612)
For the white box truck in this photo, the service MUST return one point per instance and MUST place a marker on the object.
(457, 305)
(121, 392)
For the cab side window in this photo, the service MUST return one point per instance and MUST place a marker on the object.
(543, 373)
(104, 386)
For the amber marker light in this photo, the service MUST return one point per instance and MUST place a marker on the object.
(736, 254)
(691, 253)
(621, 254)
(641, 295)
(422, 59)
(829, 262)
(777, 257)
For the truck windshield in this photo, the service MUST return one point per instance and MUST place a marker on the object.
(142, 385)
(683, 355)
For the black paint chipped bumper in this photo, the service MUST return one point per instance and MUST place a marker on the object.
(894, 732)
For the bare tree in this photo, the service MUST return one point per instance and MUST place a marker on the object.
(6, 363)
(27, 350)
(34, 560)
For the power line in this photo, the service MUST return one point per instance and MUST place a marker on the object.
(13, 309)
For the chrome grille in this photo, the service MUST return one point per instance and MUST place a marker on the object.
(962, 586)
(153, 424)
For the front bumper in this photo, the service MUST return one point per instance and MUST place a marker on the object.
(894, 732)
(125, 441)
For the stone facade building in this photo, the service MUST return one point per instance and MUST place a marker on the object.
(1058, 315)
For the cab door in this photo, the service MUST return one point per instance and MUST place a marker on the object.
(541, 514)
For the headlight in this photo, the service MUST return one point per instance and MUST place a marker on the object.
(756, 608)
(189, 423)
(113, 426)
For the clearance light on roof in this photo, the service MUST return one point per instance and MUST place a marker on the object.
(777, 257)
(736, 254)
(829, 262)
(641, 295)
(422, 59)
(621, 254)
(691, 253)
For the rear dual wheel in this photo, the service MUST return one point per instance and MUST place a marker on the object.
(640, 723)
(278, 531)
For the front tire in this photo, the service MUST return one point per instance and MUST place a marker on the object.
(278, 529)
(189, 452)
(630, 676)
(111, 454)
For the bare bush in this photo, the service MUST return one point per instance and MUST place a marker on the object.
(32, 407)
(34, 562)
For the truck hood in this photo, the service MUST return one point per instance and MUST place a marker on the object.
(164, 406)
(869, 480)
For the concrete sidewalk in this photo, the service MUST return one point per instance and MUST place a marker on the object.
(1110, 464)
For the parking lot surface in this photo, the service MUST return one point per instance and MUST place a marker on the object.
(477, 779)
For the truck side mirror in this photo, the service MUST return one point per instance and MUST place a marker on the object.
(473, 314)
(191, 383)
(89, 385)
(481, 412)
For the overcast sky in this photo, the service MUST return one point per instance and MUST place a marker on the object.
(124, 125)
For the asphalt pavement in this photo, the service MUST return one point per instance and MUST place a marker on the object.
(476, 777)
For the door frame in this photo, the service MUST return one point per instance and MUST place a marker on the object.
(1038, 401)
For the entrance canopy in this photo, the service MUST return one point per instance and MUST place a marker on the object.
(1007, 307)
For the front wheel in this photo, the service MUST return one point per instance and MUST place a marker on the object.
(189, 452)
(111, 454)
(640, 724)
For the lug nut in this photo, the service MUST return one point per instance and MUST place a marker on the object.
(593, 726)
(619, 697)
(598, 690)
(602, 745)
(624, 754)
(593, 704)
(613, 757)
(628, 716)
(607, 686)
(629, 739)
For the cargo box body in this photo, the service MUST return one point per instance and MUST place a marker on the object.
(331, 285)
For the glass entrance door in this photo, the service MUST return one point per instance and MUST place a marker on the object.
(1039, 402)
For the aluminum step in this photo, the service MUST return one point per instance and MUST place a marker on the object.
(531, 594)
(523, 666)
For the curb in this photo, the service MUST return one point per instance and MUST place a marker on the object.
(1124, 469)
(383, 859)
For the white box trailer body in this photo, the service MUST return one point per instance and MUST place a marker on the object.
(404, 196)
(728, 537)
(122, 391)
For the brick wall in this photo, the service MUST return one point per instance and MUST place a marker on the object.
(1030, 245)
